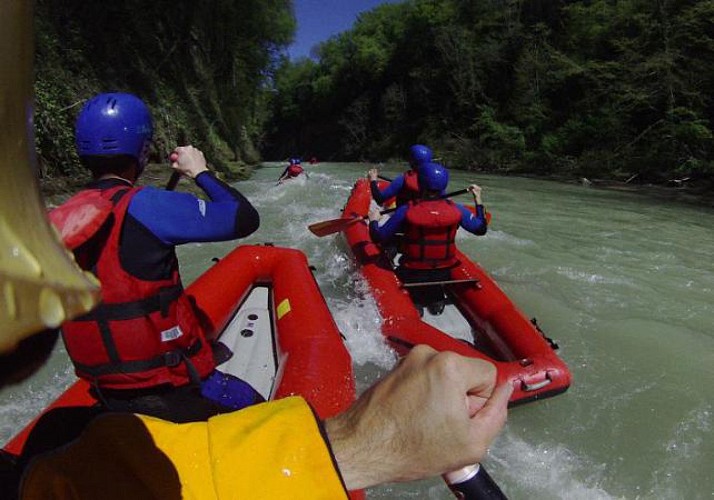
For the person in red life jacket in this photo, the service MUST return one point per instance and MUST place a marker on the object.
(292, 170)
(429, 225)
(404, 187)
(143, 348)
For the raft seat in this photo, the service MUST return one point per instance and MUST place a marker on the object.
(250, 334)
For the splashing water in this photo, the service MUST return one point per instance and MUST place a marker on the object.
(622, 282)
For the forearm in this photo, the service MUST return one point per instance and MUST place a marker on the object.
(474, 223)
(382, 438)
(216, 189)
(357, 451)
(386, 231)
(247, 217)
(376, 193)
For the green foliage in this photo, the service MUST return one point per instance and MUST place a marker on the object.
(54, 132)
(201, 66)
(499, 145)
(597, 88)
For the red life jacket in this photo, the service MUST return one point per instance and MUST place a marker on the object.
(144, 333)
(294, 170)
(430, 234)
(410, 189)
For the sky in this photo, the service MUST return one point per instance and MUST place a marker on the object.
(318, 20)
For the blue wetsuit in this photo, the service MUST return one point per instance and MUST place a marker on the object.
(389, 192)
(473, 223)
(158, 220)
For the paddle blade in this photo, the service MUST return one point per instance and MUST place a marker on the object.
(332, 226)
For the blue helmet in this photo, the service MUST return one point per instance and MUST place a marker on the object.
(114, 124)
(418, 154)
(433, 177)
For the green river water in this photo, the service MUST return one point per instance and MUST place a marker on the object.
(623, 282)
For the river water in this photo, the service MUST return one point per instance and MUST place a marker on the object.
(623, 282)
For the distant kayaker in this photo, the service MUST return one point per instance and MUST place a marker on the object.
(404, 187)
(143, 348)
(292, 170)
(429, 225)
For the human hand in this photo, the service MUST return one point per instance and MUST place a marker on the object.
(372, 174)
(188, 160)
(374, 214)
(436, 412)
(476, 191)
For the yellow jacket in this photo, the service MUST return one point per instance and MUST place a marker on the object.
(273, 450)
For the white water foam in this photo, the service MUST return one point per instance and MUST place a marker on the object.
(546, 471)
(21, 406)
(501, 237)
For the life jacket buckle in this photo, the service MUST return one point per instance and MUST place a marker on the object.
(172, 358)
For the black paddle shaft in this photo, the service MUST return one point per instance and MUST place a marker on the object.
(173, 181)
(441, 197)
(480, 486)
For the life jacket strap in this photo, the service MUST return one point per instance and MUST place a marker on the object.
(136, 309)
(169, 359)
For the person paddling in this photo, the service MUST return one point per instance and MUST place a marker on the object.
(293, 170)
(143, 349)
(406, 186)
(429, 225)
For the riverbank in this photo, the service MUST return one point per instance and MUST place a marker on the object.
(692, 191)
(695, 193)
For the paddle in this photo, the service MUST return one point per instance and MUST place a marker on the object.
(175, 176)
(332, 226)
(473, 281)
(473, 483)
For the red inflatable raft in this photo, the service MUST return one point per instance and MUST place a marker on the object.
(264, 304)
(479, 319)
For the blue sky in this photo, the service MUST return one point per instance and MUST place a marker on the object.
(318, 20)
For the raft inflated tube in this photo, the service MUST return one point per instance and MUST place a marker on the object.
(40, 284)
(473, 483)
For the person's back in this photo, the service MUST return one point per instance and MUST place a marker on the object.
(429, 225)
(294, 169)
(143, 349)
(429, 240)
(405, 187)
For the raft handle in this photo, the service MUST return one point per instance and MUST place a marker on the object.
(538, 385)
